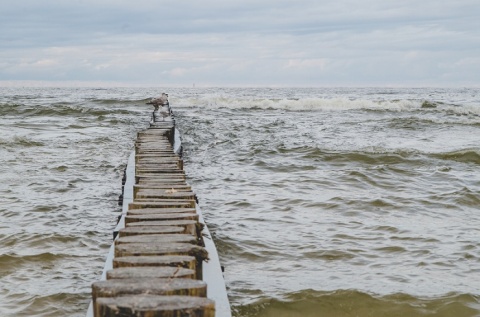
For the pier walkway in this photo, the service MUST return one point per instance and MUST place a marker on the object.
(163, 261)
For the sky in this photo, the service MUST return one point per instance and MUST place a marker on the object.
(309, 43)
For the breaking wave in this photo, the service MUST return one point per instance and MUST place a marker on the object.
(324, 104)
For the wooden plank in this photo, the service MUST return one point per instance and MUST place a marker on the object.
(140, 249)
(160, 182)
(160, 217)
(160, 178)
(146, 211)
(131, 231)
(158, 238)
(154, 286)
(162, 188)
(164, 194)
(155, 306)
(192, 227)
(150, 272)
(186, 261)
(156, 172)
(162, 203)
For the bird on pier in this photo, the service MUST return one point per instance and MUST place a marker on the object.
(159, 101)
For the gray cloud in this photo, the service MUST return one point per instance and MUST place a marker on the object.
(242, 43)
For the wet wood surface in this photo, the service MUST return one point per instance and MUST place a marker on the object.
(159, 252)
(155, 306)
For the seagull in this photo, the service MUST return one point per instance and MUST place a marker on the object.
(160, 101)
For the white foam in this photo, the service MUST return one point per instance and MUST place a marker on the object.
(303, 104)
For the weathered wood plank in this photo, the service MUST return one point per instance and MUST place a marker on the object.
(154, 286)
(186, 261)
(161, 217)
(165, 203)
(131, 231)
(191, 226)
(155, 306)
(146, 211)
(150, 272)
(164, 194)
(161, 188)
(178, 178)
(169, 182)
(158, 238)
(139, 249)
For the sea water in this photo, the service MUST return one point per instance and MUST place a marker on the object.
(322, 202)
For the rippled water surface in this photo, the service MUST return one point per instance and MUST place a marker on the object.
(323, 202)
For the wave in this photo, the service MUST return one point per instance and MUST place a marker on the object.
(116, 101)
(46, 305)
(62, 110)
(324, 104)
(392, 156)
(464, 156)
(368, 155)
(294, 104)
(350, 303)
(15, 259)
(381, 155)
(18, 141)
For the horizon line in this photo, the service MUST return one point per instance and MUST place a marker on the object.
(114, 84)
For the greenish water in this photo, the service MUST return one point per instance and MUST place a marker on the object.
(323, 202)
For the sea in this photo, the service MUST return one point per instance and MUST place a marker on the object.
(335, 202)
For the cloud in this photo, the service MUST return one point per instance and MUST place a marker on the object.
(280, 42)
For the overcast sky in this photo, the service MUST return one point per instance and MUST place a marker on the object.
(241, 43)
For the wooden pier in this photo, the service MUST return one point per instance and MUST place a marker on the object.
(163, 261)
